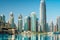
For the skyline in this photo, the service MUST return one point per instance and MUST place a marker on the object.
(27, 7)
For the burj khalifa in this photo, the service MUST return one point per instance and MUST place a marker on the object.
(42, 16)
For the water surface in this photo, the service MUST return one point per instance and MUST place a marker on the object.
(31, 37)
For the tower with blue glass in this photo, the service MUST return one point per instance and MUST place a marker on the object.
(26, 23)
(33, 22)
(20, 23)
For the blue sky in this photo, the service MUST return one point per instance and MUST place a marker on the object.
(25, 7)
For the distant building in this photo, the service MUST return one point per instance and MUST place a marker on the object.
(20, 23)
(26, 23)
(11, 20)
(47, 27)
(0, 17)
(36, 24)
(29, 23)
(51, 25)
(0, 20)
(3, 18)
(58, 23)
(55, 28)
(33, 22)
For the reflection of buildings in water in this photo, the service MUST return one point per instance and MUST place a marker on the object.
(55, 37)
(25, 38)
(33, 36)
(0, 37)
(58, 37)
(11, 37)
(38, 36)
(45, 37)
(42, 37)
(4, 37)
(48, 37)
(19, 37)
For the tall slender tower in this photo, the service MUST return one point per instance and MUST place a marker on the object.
(11, 20)
(58, 23)
(29, 23)
(20, 23)
(51, 26)
(43, 15)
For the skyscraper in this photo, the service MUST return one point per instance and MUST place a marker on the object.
(0, 18)
(58, 23)
(20, 23)
(43, 15)
(29, 23)
(33, 22)
(26, 23)
(56, 26)
(36, 24)
(11, 20)
(51, 26)
(3, 18)
(47, 28)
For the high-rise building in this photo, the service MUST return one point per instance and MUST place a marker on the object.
(11, 20)
(0, 18)
(33, 22)
(20, 23)
(3, 18)
(47, 28)
(56, 26)
(51, 26)
(58, 23)
(29, 23)
(26, 23)
(36, 24)
(43, 15)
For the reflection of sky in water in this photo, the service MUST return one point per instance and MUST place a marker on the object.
(33, 37)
